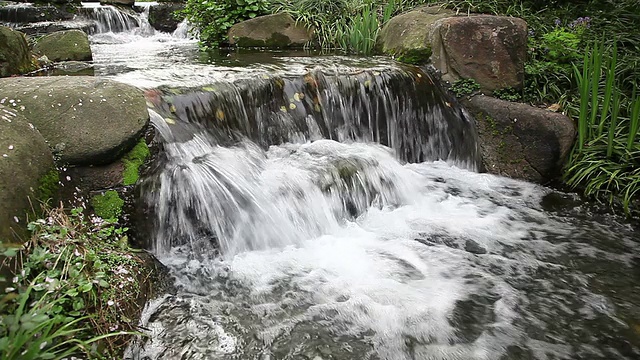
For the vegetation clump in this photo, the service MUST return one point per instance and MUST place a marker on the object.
(108, 205)
(464, 87)
(48, 185)
(72, 290)
(132, 162)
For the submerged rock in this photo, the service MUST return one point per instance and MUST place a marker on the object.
(272, 31)
(25, 162)
(68, 45)
(85, 120)
(15, 57)
(521, 141)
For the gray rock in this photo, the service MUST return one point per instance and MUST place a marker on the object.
(271, 31)
(521, 141)
(408, 37)
(25, 159)
(85, 120)
(118, 2)
(489, 49)
(30, 13)
(15, 57)
(473, 247)
(161, 16)
(68, 45)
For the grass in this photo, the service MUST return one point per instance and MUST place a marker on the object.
(605, 161)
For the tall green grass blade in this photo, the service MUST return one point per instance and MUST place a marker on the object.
(594, 79)
(634, 121)
(613, 123)
(608, 90)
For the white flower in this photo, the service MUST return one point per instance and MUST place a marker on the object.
(110, 303)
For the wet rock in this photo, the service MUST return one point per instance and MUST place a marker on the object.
(69, 45)
(474, 248)
(30, 13)
(85, 120)
(161, 16)
(25, 159)
(47, 27)
(271, 31)
(489, 49)
(408, 37)
(118, 2)
(521, 141)
(73, 68)
(15, 57)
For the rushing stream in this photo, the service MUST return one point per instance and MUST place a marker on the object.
(328, 208)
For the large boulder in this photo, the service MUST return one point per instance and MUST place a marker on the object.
(68, 45)
(408, 37)
(521, 141)
(85, 120)
(25, 162)
(271, 31)
(162, 18)
(489, 49)
(15, 57)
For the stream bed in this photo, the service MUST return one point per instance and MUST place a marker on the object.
(331, 245)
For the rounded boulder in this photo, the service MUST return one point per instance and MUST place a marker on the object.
(84, 119)
(68, 45)
(15, 57)
(25, 160)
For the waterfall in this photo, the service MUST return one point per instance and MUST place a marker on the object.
(206, 193)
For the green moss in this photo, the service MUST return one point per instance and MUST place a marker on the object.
(132, 162)
(415, 56)
(48, 185)
(108, 205)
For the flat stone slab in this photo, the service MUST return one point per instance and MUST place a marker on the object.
(84, 119)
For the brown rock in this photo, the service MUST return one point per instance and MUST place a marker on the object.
(521, 141)
(271, 31)
(489, 49)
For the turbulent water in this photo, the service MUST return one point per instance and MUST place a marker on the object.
(324, 246)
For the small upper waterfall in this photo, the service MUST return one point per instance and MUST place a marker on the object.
(109, 18)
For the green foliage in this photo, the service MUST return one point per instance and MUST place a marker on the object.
(48, 185)
(132, 162)
(108, 205)
(509, 94)
(214, 18)
(348, 25)
(464, 87)
(606, 158)
(72, 290)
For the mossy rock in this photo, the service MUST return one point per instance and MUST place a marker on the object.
(132, 162)
(271, 31)
(27, 174)
(69, 45)
(108, 205)
(408, 37)
(15, 57)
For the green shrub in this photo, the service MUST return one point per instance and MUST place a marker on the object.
(214, 18)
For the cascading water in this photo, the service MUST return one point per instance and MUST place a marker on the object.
(283, 205)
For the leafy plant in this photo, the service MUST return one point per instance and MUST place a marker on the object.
(72, 289)
(464, 87)
(214, 18)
